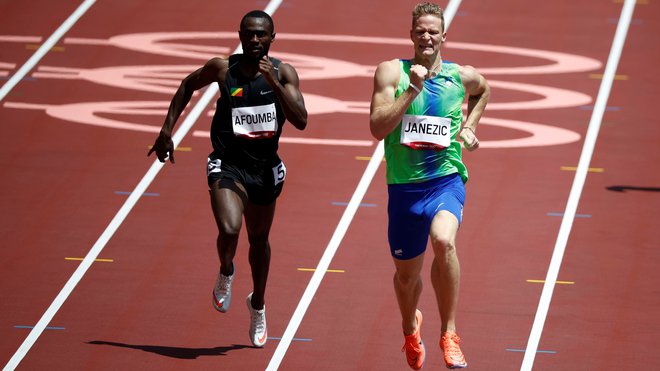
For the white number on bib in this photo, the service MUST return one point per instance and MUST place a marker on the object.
(425, 132)
(212, 166)
(279, 173)
(254, 122)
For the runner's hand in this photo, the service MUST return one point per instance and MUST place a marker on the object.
(469, 138)
(418, 74)
(164, 148)
(267, 70)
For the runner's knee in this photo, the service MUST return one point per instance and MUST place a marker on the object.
(443, 244)
(406, 279)
(228, 229)
(258, 241)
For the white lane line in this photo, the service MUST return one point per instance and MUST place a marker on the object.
(578, 184)
(45, 47)
(337, 236)
(326, 259)
(132, 199)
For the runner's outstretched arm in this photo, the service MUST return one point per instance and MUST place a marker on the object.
(210, 72)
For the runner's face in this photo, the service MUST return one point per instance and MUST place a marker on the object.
(256, 34)
(427, 35)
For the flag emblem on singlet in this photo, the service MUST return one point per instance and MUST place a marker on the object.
(236, 92)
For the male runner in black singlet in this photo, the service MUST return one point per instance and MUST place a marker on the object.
(245, 174)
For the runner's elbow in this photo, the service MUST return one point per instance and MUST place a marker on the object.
(301, 122)
(376, 131)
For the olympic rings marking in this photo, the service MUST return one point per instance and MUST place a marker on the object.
(165, 78)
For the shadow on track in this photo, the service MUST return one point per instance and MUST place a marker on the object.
(620, 188)
(175, 352)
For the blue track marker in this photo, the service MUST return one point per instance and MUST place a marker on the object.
(337, 203)
(124, 193)
(538, 351)
(576, 215)
(47, 327)
(294, 339)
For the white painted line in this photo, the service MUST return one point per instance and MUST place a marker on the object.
(450, 12)
(578, 184)
(337, 236)
(326, 259)
(45, 47)
(132, 199)
(107, 234)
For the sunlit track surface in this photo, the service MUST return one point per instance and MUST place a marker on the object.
(77, 127)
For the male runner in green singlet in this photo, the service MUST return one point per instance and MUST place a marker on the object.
(416, 109)
(245, 174)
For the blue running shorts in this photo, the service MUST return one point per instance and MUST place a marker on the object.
(412, 207)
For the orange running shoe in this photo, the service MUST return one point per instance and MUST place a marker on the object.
(453, 356)
(414, 346)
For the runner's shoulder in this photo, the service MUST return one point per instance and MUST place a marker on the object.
(392, 64)
(217, 63)
(388, 71)
(467, 72)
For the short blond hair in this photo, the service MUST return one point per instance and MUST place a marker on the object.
(426, 8)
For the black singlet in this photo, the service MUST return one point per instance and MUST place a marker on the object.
(244, 104)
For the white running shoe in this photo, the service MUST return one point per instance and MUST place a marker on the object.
(222, 292)
(258, 332)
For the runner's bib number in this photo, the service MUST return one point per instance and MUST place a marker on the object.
(279, 173)
(425, 132)
(213, 166)
(254, 122)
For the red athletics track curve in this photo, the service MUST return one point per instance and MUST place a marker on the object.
(150, 309)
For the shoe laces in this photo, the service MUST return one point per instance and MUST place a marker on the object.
(450, 345)
(259, 319)
(412, 343)
(223, 284)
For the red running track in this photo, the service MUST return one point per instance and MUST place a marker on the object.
(147, 305)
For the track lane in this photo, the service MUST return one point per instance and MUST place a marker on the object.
(161, 319)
